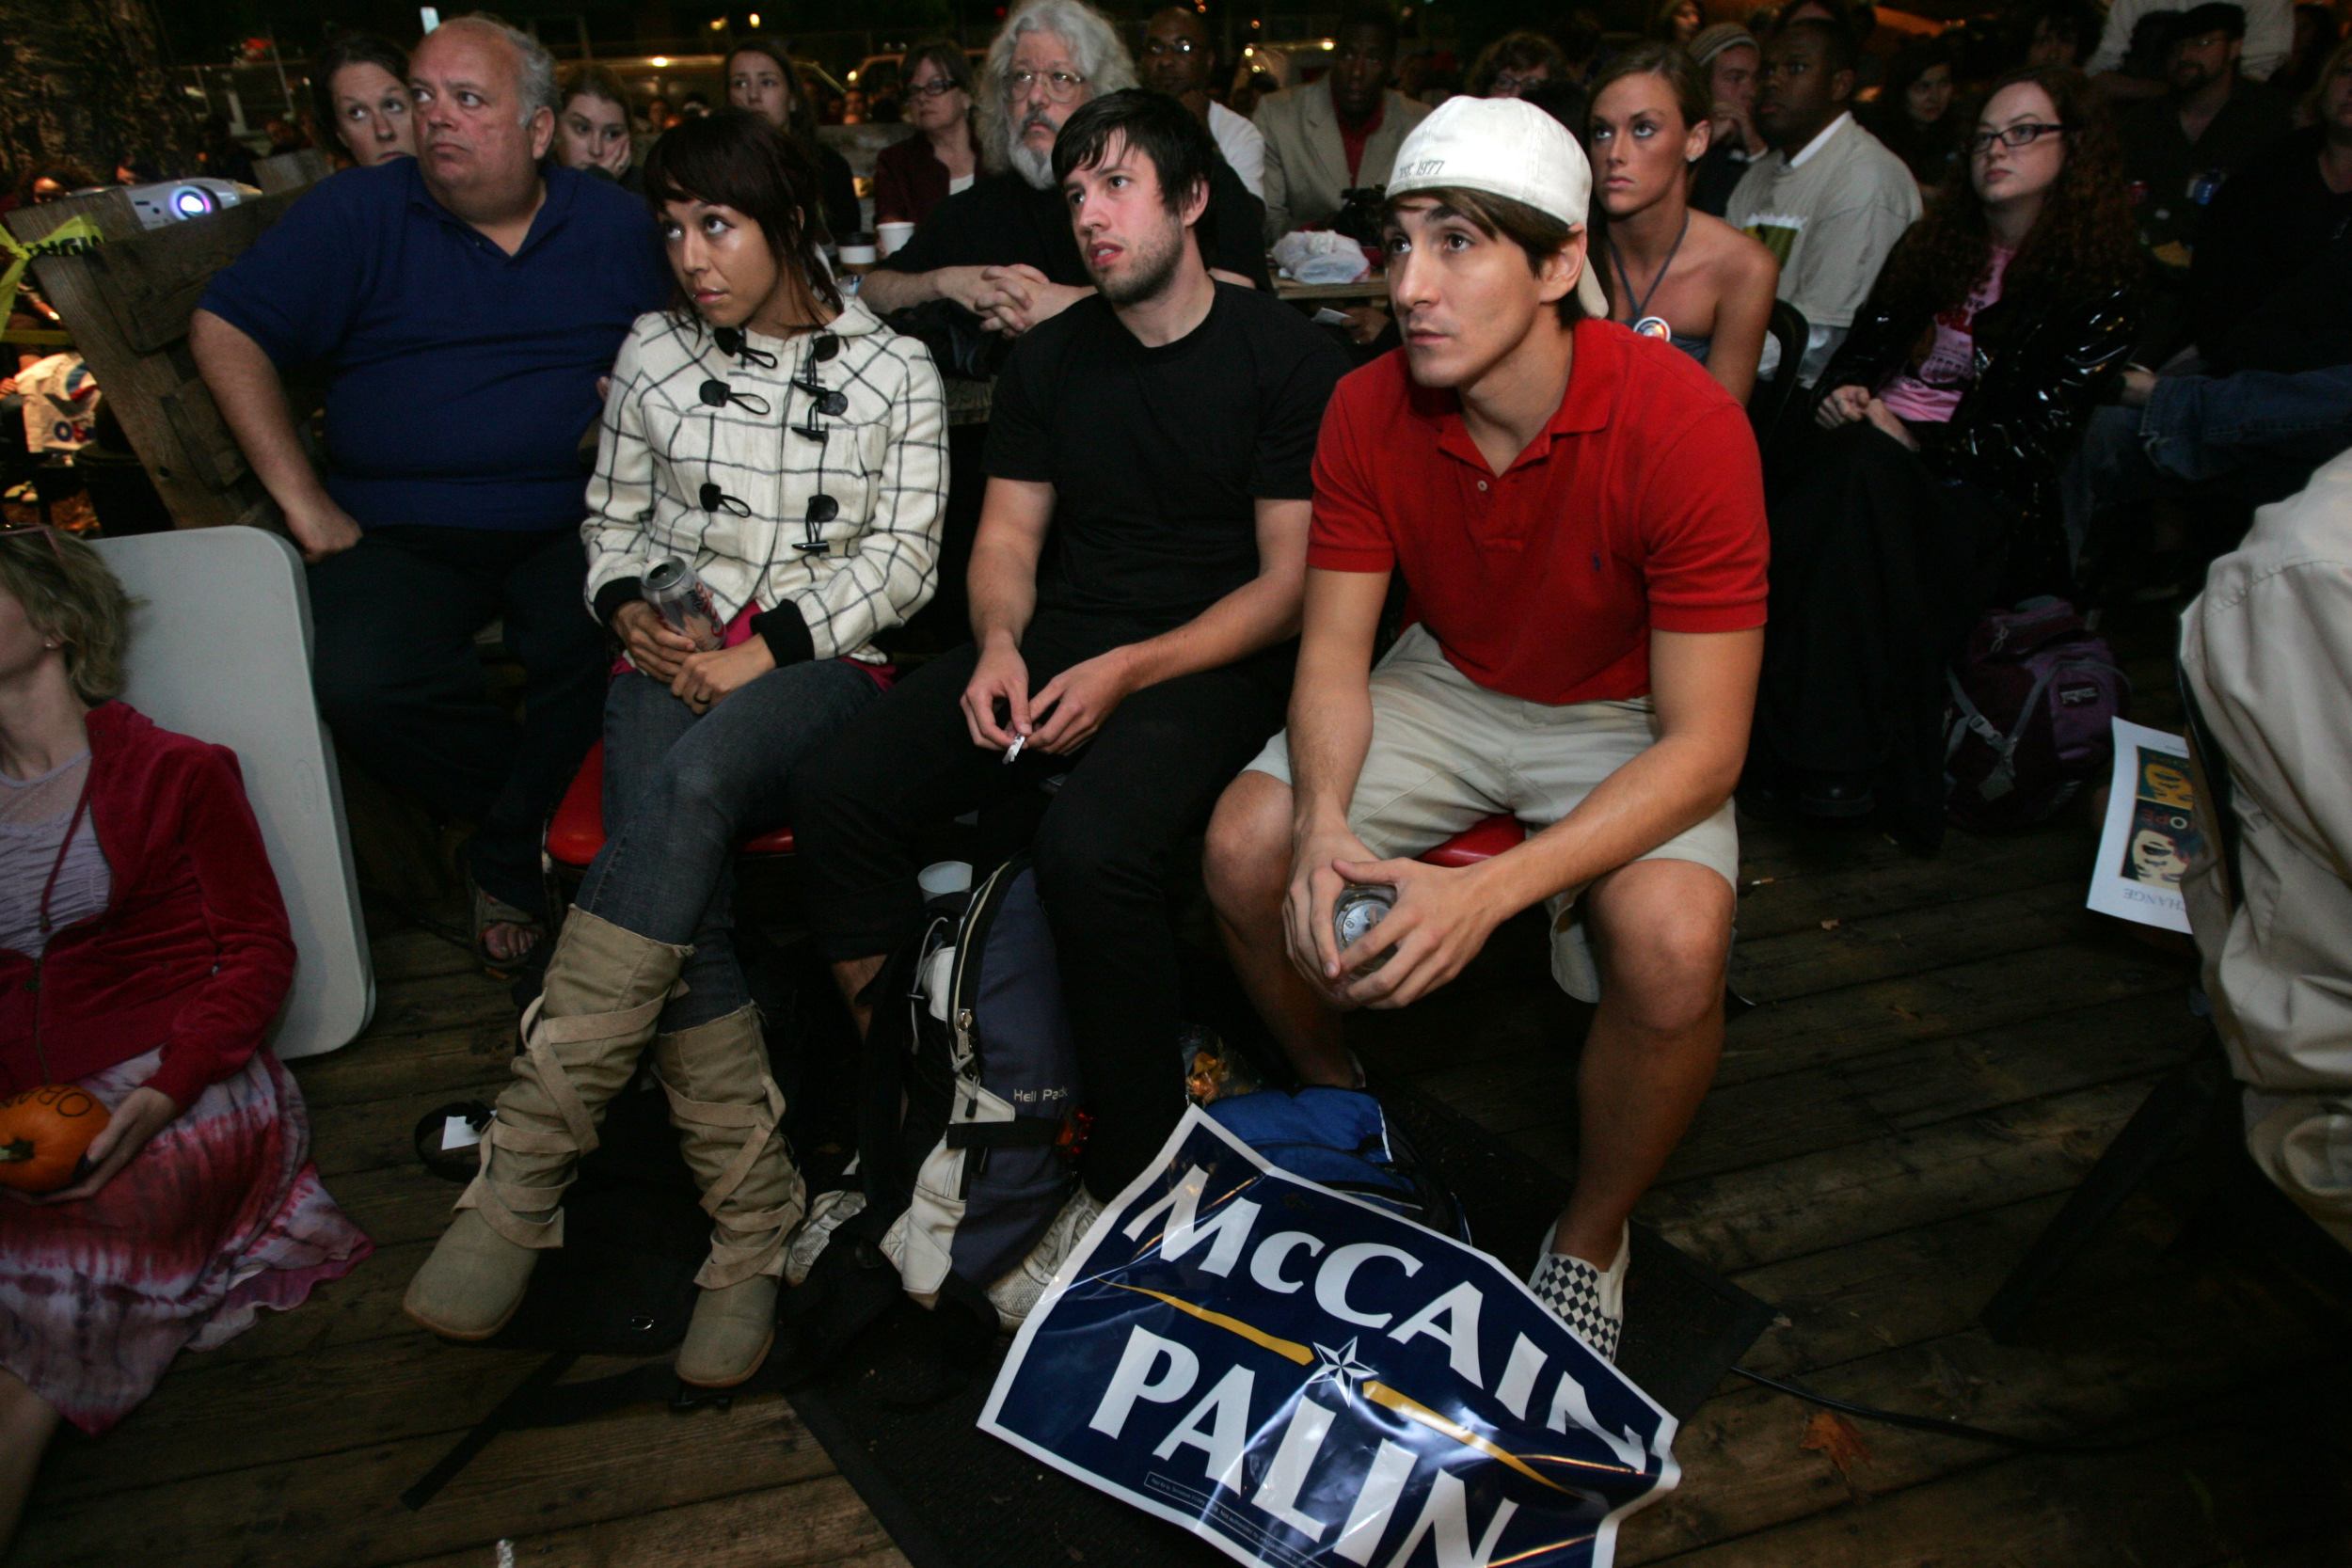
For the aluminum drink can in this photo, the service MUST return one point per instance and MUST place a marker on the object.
(1360, 907)
(684, 604)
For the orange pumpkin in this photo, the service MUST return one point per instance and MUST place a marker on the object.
(43, 1133)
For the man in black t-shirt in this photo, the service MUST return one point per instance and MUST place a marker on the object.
(1003, 248)
(1135, 587)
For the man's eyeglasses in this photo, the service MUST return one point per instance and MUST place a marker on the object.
(939, 88)
(2012, 135)
(1060, 85)
(1169, 46)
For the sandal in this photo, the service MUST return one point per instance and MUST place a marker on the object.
(488, 911)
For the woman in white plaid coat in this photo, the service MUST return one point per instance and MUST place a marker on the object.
(789, 447)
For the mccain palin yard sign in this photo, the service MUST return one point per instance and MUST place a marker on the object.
(1310, 1382)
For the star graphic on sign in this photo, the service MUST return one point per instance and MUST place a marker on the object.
(1340, 1368)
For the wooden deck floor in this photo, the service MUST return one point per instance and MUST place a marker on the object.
(1944, 1047)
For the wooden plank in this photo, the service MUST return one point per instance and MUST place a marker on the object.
(812, 1523)
(2122, 1359)
(1842, 1102)
(345, 1508)
(2203, 1496)
(361, 1307)
(291, 171)
(437, 1002)
(389, 1066)
(1969, 867)
(1827, 1026)
(206, 446)
(1744, 1219)
(211, 1416)
(1876, 947)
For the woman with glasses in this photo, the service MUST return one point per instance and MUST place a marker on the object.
(762, 78)
(913, 176)
(1932, 493)
(144, 951)
(782, 446)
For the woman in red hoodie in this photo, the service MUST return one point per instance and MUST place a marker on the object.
(144, 951)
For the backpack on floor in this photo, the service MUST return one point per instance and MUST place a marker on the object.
(1341, 1139)
(2034, 698)
(970, 1127)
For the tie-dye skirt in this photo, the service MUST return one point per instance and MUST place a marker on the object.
(218, 1217)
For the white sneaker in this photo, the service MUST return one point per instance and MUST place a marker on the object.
(1016, 1296)
(1589, 1301)
(826, 1214)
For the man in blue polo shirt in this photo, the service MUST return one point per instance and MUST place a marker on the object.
(463, 305)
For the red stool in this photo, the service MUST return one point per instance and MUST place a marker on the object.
(1482, 841)
(576, 831)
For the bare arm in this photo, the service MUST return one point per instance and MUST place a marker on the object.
(1261, 612)
(253, 400)
(1003, 587)
(1743, 317)
(884, 291)
(1330, 729)
(1705, 688)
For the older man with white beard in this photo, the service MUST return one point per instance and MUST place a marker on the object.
(1003, 248)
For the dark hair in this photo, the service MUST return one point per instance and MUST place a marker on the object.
(2070, 20)
(2214, 16)
(1683, 77)
(734, 158)
(802, 114)
(595, 80)
(349, 49)
(1915, 60)
(1565, 101)
(1838, 50)
(1520, 51)
(71, 176)
(1662, 22)
(2083, 240)
(1368, 14)
(1153, 125)
(1579, 36)
(1538, 235)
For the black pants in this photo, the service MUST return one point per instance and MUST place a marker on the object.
(400, 682)
(1147, 779)
(1879, 570)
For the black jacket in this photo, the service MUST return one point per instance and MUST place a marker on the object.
(2042, 360)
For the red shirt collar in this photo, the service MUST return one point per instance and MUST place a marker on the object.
(1593, 377)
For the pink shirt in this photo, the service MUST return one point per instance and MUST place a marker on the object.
(1929, 395)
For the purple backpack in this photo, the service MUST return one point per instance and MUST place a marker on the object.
(2033, 700)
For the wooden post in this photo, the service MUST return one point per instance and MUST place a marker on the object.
(128, 302)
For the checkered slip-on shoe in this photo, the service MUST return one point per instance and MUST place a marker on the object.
(1590, 1302)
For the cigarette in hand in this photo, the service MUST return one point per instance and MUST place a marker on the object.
(1014, 750)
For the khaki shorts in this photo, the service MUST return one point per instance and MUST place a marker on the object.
(1446, 752)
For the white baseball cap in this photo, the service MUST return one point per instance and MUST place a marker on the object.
(1506, 147)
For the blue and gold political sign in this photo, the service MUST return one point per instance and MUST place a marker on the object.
(1310, 1382)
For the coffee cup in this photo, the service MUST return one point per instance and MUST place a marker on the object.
(894, 235)
(857, 250)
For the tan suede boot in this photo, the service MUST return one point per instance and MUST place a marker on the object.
(727, 1107)
(581, 1038)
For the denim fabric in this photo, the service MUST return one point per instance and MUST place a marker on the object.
(685, 792)
(2200, 427)
(2261, 432)
(400, 681)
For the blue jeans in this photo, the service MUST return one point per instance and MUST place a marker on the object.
(681, 793)
(2251, 437)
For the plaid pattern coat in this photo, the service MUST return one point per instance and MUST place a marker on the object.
(728, 460)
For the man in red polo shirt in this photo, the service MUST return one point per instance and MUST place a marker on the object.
(1578, 516)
